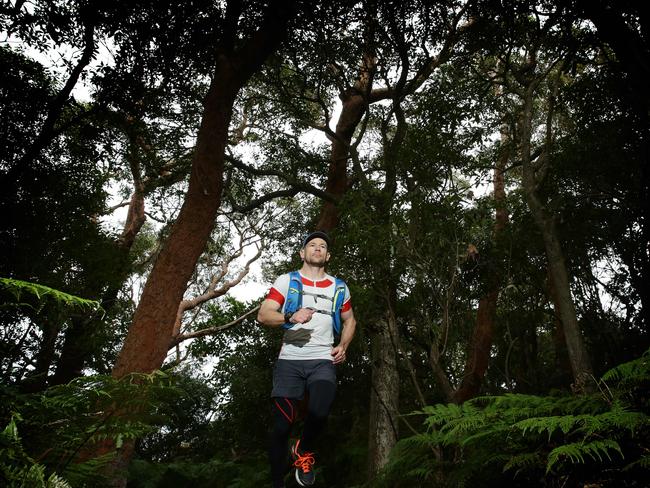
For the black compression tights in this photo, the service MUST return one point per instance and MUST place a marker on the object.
(284, 413)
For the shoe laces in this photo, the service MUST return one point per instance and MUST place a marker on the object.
(304, 461)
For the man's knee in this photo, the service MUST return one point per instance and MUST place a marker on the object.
(284, 412)
(321, 397)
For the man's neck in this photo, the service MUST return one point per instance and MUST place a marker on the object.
(314, 273)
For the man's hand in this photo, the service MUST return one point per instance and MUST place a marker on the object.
(302, 316)
(339, 354)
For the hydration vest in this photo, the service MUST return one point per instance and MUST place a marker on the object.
(294, 300)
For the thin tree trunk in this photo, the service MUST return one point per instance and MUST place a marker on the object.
(439, 373)
(81, 336)
(580, 361)
(384, 396)
(354, 106)
(37, 379)
(479, 350)
(559, 340)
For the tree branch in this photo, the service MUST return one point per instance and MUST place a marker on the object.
(211, 330)
(212, 291)
(296, 185)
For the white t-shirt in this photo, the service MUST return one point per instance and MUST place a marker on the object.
(313, 339)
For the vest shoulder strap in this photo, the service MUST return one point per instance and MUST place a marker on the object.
(293, 301)
(337, 303)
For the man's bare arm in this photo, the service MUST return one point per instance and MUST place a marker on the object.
(271, 316)
(349, 326)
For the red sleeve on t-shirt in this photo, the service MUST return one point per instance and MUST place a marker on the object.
(346, 306)
(275, 295)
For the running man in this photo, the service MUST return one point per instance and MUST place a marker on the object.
(312, 306)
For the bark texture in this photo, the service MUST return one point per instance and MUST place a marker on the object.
(578, 355)
(559, 340)
(384, 396)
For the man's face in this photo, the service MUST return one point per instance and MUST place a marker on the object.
(315, 252)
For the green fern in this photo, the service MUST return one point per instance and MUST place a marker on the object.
(643, 462)
(577, 451)
(632, 373)
(524, 461)
(532, 437)
(66, 418)
(18, 469)
(19, 289)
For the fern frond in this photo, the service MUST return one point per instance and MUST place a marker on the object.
(638, 369)
(497, 431)
(422, 472)
(456, 429)
(576, 452)
(617, 418)
(524, 460)
(55, 481)
(548, 424)
(643, 462)
(19, 288)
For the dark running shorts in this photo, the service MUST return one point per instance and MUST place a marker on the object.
(291, 377)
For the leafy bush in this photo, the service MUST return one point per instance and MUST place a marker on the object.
(526, 440)
(60, 425)
(17, 468)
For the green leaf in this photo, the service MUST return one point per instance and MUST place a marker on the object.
(576, 452)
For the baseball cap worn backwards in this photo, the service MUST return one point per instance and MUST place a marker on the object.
(314, 235)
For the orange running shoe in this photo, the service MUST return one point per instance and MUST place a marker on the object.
(303, 463)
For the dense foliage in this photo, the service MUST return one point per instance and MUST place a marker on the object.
(519, 440)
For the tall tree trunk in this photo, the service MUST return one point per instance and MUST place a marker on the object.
(578, 355)
(358, 97)
(532, 174)
(150, 334)
(354, 106)
(384, 395)
(148, 339)
(483, 335)
(559, 340)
